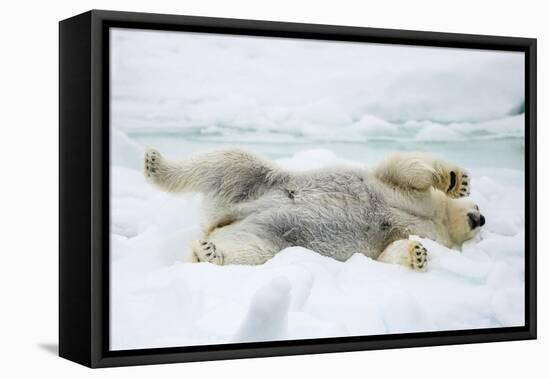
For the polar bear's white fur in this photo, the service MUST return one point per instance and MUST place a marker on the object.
(254, 209)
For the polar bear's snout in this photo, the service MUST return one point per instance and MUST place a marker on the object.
(476, 220)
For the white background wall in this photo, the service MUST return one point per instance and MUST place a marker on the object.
(29, 206)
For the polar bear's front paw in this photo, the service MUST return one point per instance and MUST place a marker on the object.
(418, 255)
(152, 164)
(207, 252)
(457, 183)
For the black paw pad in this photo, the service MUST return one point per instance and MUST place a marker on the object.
(453, 181)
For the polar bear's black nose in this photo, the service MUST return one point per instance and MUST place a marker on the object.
(475, 220)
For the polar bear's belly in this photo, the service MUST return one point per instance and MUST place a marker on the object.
(332, 223)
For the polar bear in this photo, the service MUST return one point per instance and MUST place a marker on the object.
(254, 208)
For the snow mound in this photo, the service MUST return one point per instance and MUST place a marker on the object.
(438, 133)
(267, 317)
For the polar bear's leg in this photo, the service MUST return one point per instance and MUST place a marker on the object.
(420, 171)
(227, 175)
(409, 253)
(233, 246)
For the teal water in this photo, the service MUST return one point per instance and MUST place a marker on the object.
(505, 155)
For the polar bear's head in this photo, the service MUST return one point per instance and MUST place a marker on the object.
(464, 219)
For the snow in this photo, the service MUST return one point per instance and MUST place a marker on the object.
(315, 89)
(306, 105)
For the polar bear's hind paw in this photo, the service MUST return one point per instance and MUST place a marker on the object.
(152, 163)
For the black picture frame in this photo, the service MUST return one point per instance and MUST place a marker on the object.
(84, 187)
